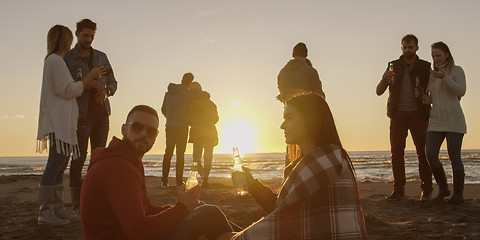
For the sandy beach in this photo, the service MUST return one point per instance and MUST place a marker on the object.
(405, 219)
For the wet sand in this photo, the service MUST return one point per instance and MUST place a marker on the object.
(405, 219)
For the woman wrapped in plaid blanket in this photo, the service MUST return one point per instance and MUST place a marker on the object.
(319, 196)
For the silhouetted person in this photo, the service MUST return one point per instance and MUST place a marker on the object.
(446, 87)
(202, 116)
(297, 74)
(407, 112)
(115, 202)
(57, 124)
(174, 108)
(93, 104)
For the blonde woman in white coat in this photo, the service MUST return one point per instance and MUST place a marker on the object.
(57, 124)
(447, 86)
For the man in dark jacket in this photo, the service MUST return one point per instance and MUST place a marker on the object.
(93, 105)
(114, 200)
(407, 112)
(298, 75)
(174, 108)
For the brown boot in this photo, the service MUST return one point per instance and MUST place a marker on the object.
(458, 185)
(441, 180)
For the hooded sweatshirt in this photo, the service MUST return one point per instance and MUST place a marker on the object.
(298, 75)
(174, 105)
(202, 116)
(114, 200)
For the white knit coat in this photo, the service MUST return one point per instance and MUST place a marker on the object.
(58, 107)
(445, 95)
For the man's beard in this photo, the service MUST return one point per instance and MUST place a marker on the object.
(409, 55)
(137, 151)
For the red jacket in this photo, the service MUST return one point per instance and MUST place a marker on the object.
(114, 201)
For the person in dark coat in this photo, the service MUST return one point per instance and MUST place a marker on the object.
(202, 116)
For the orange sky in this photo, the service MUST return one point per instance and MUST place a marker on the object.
(235, 50)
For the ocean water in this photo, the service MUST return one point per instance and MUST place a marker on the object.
(370, 166)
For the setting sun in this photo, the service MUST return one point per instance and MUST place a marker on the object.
(237, 133)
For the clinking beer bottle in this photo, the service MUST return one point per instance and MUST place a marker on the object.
(390, 68)
(79, 76)
(192, 180)
(238, 175)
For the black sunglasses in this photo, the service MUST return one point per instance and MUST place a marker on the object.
(138, 128)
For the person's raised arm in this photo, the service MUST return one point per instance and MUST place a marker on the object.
(63, 83)
(384, 82)
(95, 73)
(262, 194)
(130, 211)
(455, 81)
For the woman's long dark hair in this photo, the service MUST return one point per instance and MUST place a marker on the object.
(318, 120)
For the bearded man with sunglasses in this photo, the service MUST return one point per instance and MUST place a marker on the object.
(114, 200)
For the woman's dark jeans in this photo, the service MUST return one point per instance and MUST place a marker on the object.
(56, 165)
(454, 148)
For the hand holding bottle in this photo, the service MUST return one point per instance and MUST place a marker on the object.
(418, 93)
(248, 176)
(418, 88)
(388, 77)
(95, 73)
(190, 199)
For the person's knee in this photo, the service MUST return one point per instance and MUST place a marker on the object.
(208, 210)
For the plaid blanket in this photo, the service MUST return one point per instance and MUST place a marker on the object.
(318, 200)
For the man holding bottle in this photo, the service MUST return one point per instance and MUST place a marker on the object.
(115, 202)
(93, 104)
(407, 112)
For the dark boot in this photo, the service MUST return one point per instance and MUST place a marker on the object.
(458, 184)
(179, 172)
(75, 192)
(441, 180)
(426, 196)
(397, 194)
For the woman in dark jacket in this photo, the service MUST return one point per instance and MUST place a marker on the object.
(202, 116)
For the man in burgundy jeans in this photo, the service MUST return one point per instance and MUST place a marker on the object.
(407, 112)
(114, 200)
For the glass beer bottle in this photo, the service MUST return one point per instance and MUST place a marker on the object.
(418, 85)
(79, 76)
(238, 175)
(192, 180)
(390, 68)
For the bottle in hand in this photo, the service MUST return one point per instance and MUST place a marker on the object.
(192, 180)
(390, 68)
(418, 86)
(238, 175)
(79, 76)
